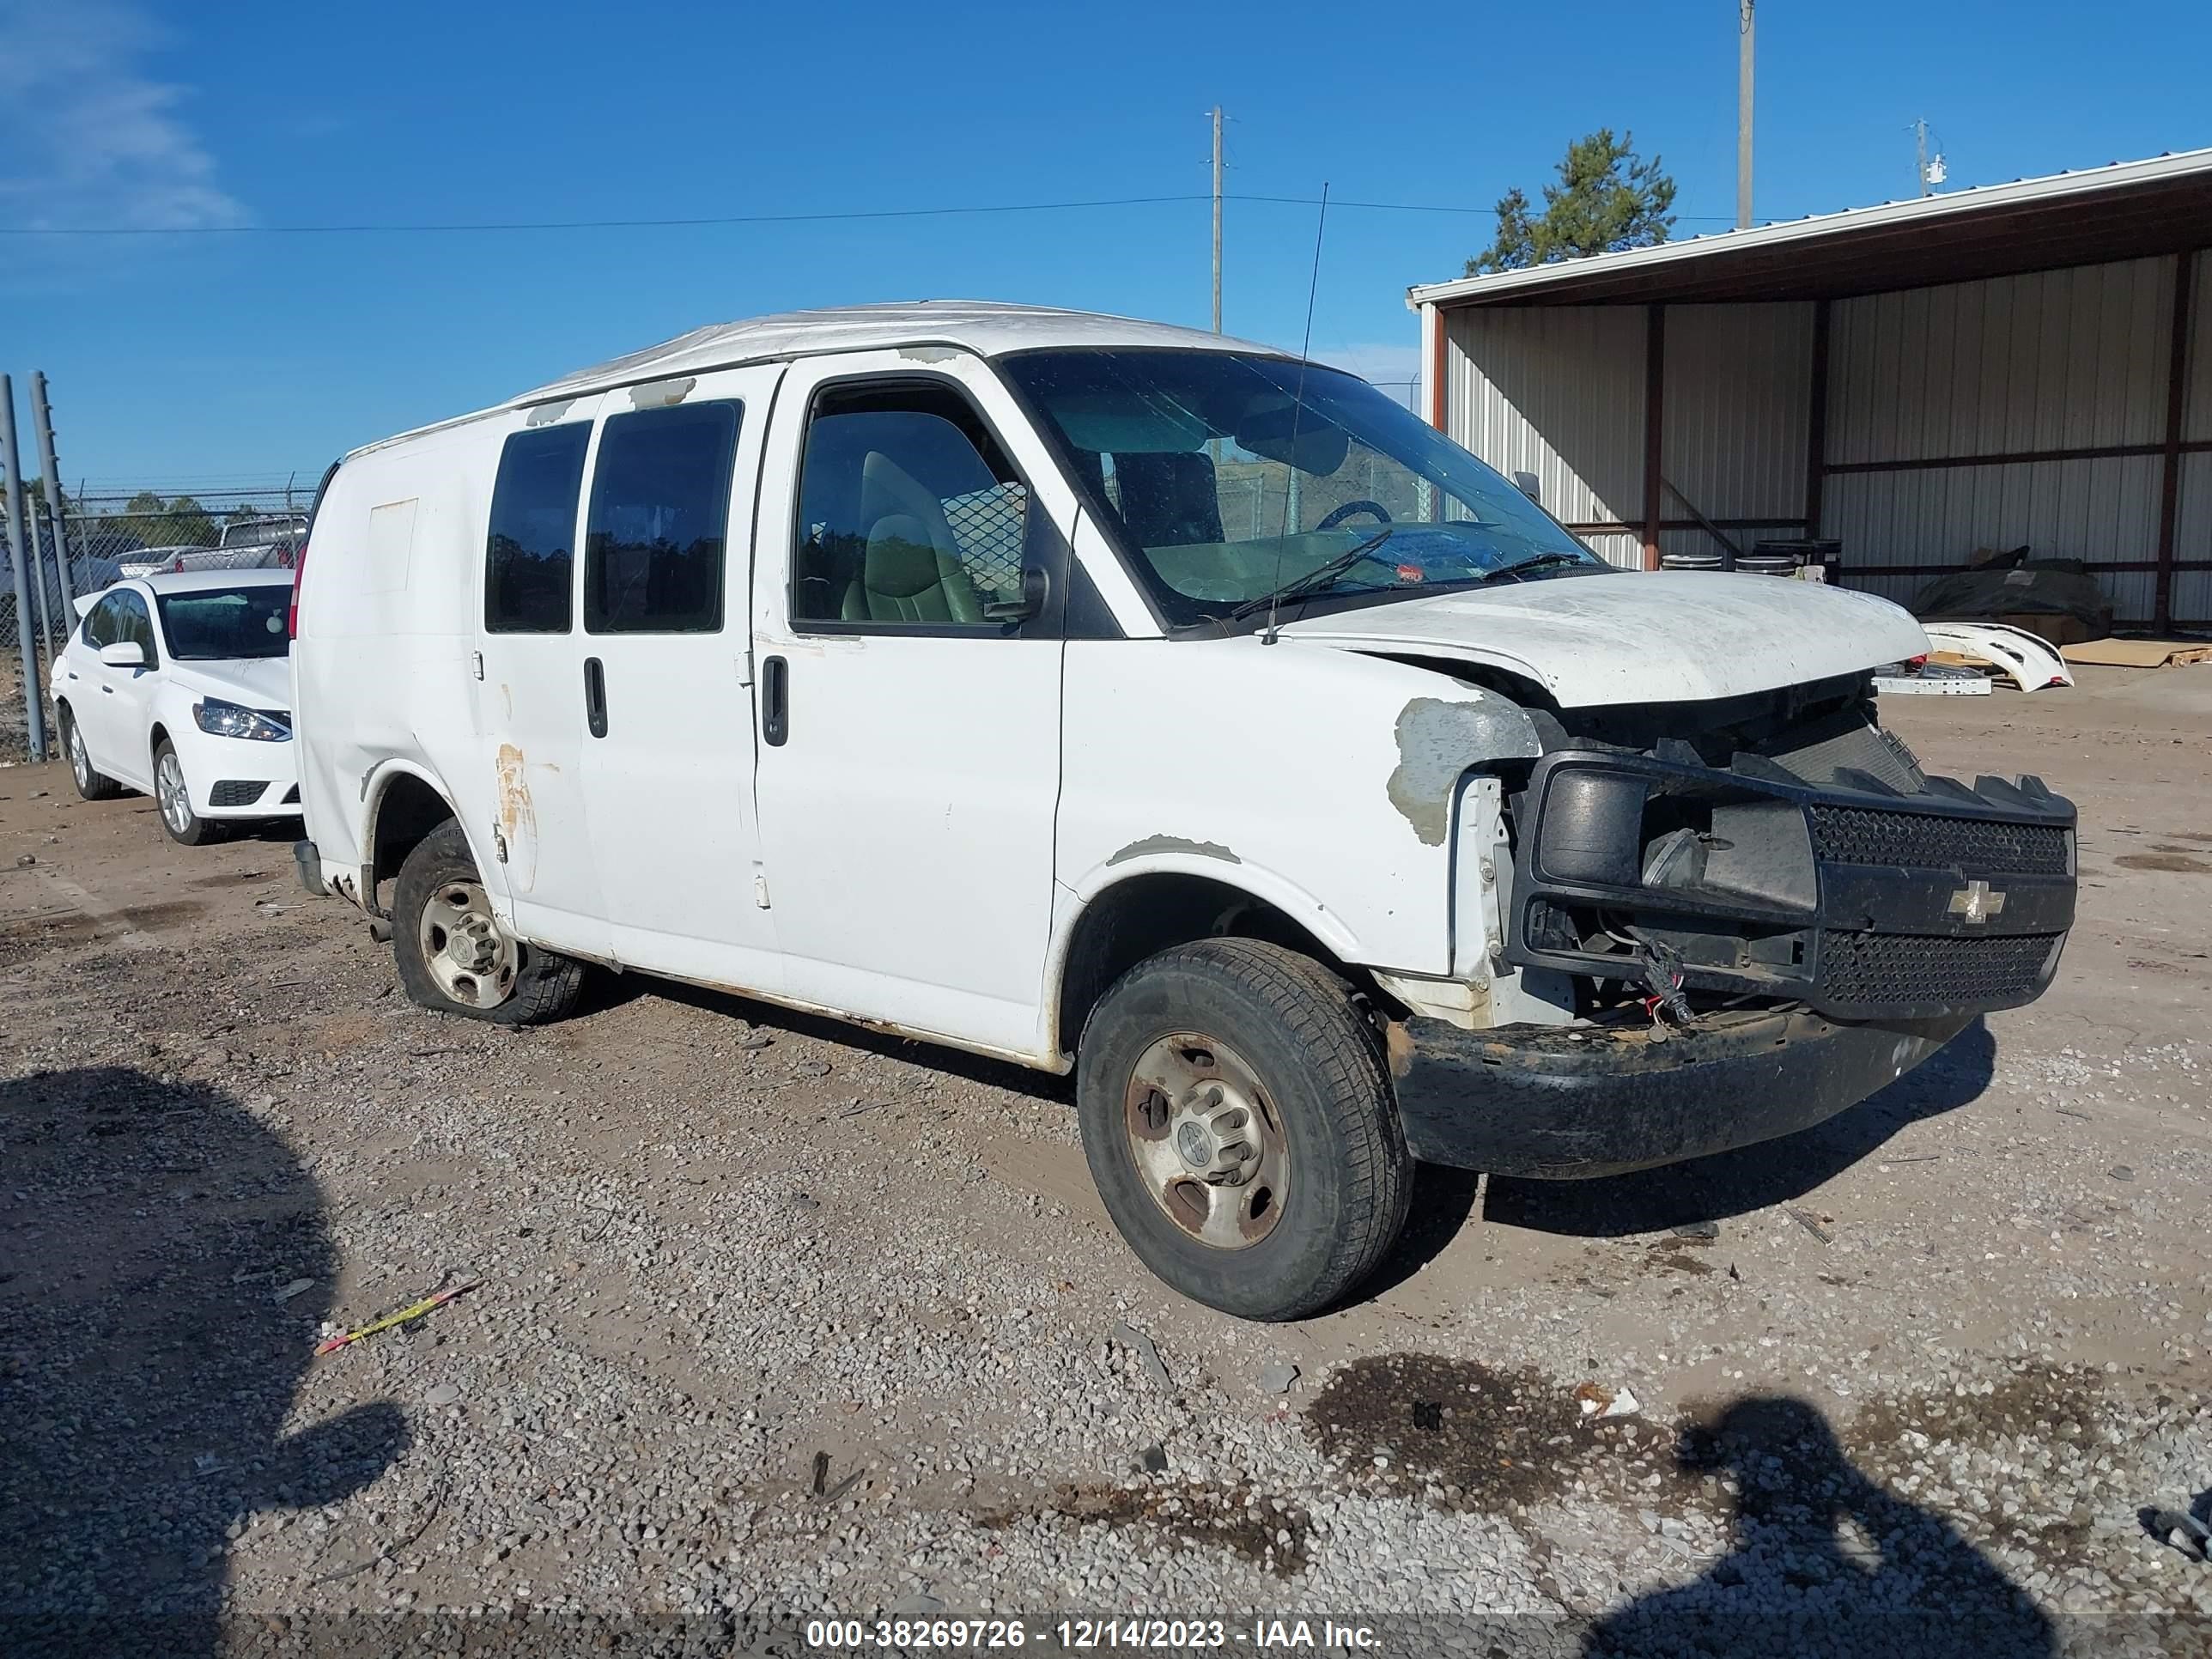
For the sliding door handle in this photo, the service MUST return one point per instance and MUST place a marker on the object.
(595, 696)
(776, 701)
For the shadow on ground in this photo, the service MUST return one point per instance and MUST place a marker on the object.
(1752, 1177)
(1823, 1561)
(146, 1362)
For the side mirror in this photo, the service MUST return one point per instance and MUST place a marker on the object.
(1037, 587)
(123, 653)
(1529, 487)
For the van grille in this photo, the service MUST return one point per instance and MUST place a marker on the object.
(1865, 835)
(1866, 973)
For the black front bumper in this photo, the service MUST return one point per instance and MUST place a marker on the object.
(1560, 1103)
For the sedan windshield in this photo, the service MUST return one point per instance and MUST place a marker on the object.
(1229, 478)
(211, 624)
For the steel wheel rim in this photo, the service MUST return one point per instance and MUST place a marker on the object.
(79, 761)
(169, 786)
(464, 946)
(1206, 1137)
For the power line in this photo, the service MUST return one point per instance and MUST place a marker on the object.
(487, 227)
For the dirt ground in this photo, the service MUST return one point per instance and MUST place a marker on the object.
(774, 1314)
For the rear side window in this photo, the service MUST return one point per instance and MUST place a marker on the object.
(530, 557)
(660, 510)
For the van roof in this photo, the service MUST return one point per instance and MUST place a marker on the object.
(986, 327)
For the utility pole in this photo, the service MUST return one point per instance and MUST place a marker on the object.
(25, 561)
(1217, 218)
(1920, 154)
(42, 423)
(1743, 63)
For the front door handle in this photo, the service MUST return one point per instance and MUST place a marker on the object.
(776, 701)
(595, 696)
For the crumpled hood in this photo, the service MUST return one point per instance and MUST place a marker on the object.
(263, 682)
(1640, 636)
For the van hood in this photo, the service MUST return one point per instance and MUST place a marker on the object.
(263, 682)
(1639, 636)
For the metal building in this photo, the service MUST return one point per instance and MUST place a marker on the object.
(2025, 363)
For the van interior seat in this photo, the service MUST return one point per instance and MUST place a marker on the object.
(1169, 500)
(910, 569)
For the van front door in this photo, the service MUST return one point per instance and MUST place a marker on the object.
(909, 720)
(667, 706)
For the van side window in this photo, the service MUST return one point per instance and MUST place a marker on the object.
(660, 513)
(909, 514)
(529, 561)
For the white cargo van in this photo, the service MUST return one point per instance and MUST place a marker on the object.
(1122, 699)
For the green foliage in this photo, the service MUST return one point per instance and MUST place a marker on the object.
(1607, 197)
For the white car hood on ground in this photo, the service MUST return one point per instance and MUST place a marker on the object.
(1639, 636)
(256, 682)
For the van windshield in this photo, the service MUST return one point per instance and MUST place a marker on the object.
(221, 624)
(1227, 477)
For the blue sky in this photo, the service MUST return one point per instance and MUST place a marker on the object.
(197, 358)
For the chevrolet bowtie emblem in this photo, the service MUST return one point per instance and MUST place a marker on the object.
(1977, 902)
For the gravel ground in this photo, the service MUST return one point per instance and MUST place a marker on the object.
(773, 1319)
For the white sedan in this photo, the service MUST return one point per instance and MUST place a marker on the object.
(179, 685)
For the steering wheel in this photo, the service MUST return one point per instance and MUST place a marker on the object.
(1345, 512)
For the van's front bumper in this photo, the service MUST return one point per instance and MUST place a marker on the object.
(1566, 1104)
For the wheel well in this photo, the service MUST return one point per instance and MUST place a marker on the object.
(1145, 914)
(155, 740)
(406, 812)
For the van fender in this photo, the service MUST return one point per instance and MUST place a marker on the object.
(1168, 855)
(376, 786)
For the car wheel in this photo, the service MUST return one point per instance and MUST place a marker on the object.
(455, 957)
(175, 801)
(1238, 1121)
(91, 784)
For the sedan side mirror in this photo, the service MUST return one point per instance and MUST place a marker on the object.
(123, 653)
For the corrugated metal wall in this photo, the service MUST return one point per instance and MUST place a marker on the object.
(2192, 533)
(1737, 385)
(2074, 359)
(2012, 367)
(1558, 391)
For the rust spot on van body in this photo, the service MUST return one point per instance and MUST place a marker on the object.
(518, 817)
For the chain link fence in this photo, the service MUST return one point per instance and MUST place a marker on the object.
(113, 532)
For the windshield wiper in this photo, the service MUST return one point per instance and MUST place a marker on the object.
(1319, 577)
(1535, 561)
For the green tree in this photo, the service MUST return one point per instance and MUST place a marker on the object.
(1608, 197)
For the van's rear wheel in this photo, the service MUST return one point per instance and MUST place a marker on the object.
(1237, 1119)
(455, 957)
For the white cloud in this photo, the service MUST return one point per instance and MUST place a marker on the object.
(89, 138)
(1392, 367)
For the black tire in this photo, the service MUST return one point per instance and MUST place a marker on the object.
(91, 784)
(194, 831)
(1320, 1063)
(545, 986)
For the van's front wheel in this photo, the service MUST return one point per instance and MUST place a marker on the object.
(1238, 1122)
(455, 957)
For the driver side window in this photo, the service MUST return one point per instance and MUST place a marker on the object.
(135, 622)
(910, 516)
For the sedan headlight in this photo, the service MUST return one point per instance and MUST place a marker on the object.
(231, 720)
